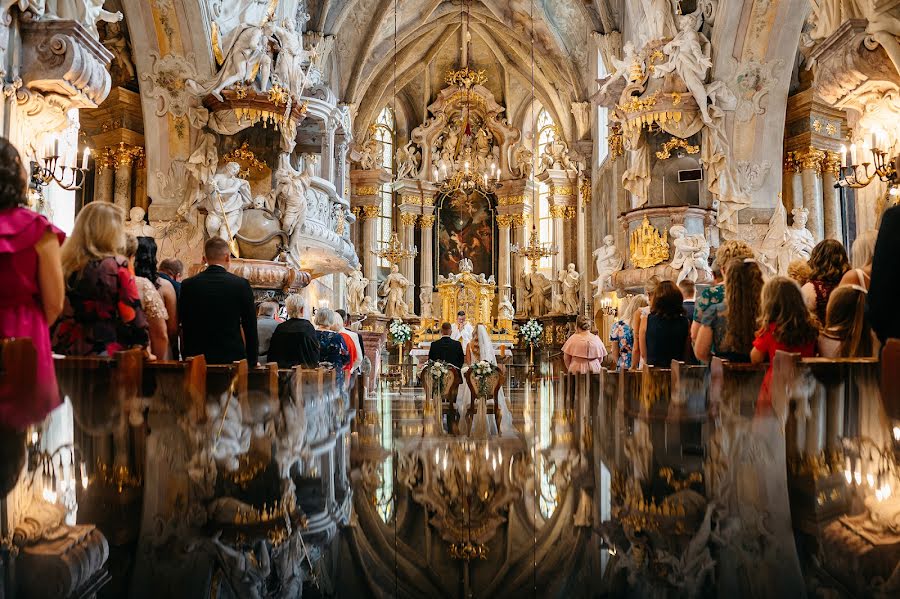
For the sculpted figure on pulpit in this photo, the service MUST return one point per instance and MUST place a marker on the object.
(609, 261)
(689, 57)
(226, 198)
(291, 56)
(248, 61)
(658, 22)
(289, 194)
(356, 293)
(86, 12)
(691, 255)
(367, 153)
(392, 290)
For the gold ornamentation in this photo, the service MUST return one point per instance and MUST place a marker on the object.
(648, 246)
(637, 104)
(790, 163)
(504, 220)
(394, 251)
(356, 211)
(566, 212)
(409, 219)
(410, 200)
(673, 143)
(371, 212)
(426, 221)
(341, 223)
(216, 46)
(830, 129)
(615, 141)
(245, 156)
(562, 191)
(676, 98)
(832, 163)
(365, 191)
(468, 551)
(105, 159)
(511, 200)
(817, 125)
(278, 95)
(586, 190)
(124, 155)
(240, 91)
(466, 77)
(518, 219)
(811, 159)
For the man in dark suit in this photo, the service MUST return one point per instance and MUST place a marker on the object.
(447, 349)
(214, 307)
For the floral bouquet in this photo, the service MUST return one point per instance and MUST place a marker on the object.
(531, 332)
(438, 371)
(400, 332)
(482, 371)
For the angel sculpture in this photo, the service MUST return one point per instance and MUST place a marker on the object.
(248, 60)
(367, 153)
(289, 194)
(689, 57)
(291, 56)
(407, 159)
(691, 255)
(524, 158)
(621, 70)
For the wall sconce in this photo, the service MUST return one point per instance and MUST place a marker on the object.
(49, 170)
(855, 174)
(607, 307)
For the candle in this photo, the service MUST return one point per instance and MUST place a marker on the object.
(853, 161)
(843, 156)
(84, 159)
(56, 148)
(874, 140)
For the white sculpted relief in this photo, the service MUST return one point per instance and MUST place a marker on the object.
(800, 241)
(291, 56)
(227, 197)
(248, 61)
(407, 160)
(609, 261)
(524, 160)
(393, 290)
(367, 154)
(689, 57)
(289, 194)
(691, 255)
(356, 293)
(86, 12)
(570, 280)
(658, 22)
(556, 156)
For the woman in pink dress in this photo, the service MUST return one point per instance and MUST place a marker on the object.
(583, 351)
(31, 289)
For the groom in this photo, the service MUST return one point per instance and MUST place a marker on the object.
(461, 330)
(447, 349)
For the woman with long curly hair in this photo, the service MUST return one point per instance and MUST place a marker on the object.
(828, 262)
(33, 291)
(715, 294)
(847, 332)
(728, 328)
(784, 324)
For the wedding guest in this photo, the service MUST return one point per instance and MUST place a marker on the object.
(727, 329)
(33, 293)
(337, 325)
(884, 289)
(171, 269)
(354, 337)
(265, 326)
(622, 334)
(666, 336)
(847, 332)
(145, 266)
(102, 312)
(799, 271)
(715, 293)
(689, 291)
(295, 341)
(861, 253)
(641, 315)
(446, 348)
(151, 302)
(828, 263)
(785, 324)
(332, 347)
(583, 351)
(215, 307)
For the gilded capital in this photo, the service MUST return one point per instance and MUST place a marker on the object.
(586, 190)
(811, 159)
(790, 163)
(511, 200)
(368, 190)
(371, 212)
(125, 154)
(832, 163)
(566, 212)
(426, 221)
(561, 190)
(518, 219)
(408, 219)
(504, 220)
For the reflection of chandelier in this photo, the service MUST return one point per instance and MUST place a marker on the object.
(394, 251)
(535, 250)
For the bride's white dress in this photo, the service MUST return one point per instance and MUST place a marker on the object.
(482, 426)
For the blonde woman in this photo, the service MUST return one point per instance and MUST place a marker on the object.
(102, 312)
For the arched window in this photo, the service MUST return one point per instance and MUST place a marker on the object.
(546, 132)
(385, 133)
(602, 150)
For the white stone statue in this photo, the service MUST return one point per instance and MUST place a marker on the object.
(689, 57)
(536, 285)
(426, 301)
(772, 253)
(609, 260)
(137, 226)
(524, 160)
(370, 306)
(407, 159)
(691, 255)
(289, 194)
(636, 178)
(393, 290)
(800, 241)
(226, 198)
(247, 61)
(356, 293)
(86, 12)
(556, 156)
(291, 56)
(658, 22)
(35, 7)
(505, 310)
(570, 280)
(367, 154)
(116, 42)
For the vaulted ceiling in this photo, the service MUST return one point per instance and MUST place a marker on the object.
(428, 43)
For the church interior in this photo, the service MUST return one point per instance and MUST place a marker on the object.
(531, 182)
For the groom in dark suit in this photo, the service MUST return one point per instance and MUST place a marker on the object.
(447, 349)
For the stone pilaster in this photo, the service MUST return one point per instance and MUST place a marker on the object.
(327, 165)
(833, 216)
(407, 231)
(103, 182)
(792, 186)
(504, 222)
(514, 202)
(125, 157)
(364, 197)
(563, 208)
(811, 177)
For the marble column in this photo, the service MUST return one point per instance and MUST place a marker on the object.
(103, 182)
(369, 217)
(582, 240)
(559, 260)
(426, 259)
(122, 192)
(811, 175)
(408, 239)
(518, 261)
(340, 180)
(833, 217)
(504, 221)
(366, 202)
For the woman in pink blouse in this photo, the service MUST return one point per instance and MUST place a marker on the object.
(31, 289)
(583, 352)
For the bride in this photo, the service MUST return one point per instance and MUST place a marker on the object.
(481, 348)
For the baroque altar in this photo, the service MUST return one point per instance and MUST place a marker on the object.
(471, 293)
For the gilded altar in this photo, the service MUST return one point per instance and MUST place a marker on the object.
(466, 291)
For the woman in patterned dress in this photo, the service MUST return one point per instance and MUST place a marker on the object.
(152, 302)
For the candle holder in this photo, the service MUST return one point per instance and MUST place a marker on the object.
(857, 175)
(50, 171)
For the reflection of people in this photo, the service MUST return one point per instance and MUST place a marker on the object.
(461, 330)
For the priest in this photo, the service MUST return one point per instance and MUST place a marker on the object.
(462, 330)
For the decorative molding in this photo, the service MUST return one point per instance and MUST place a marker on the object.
(561, 190)
(516, 200)
(426, 221)
(810, 159)
(518, 219)
(790, 164)
(365, 191)
(125, 155)
(750, 176)
(408, 219)
(676, 142)
(586, 187)
(566, 212)
(751, 82)
(465, 77)
(245, 156)
(649, 247)
(371, 212)
(832, 163)
(504, 220)
(167, 84)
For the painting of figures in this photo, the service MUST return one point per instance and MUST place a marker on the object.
(466, 231)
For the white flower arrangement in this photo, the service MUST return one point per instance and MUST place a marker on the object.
(531, 332)
(400, 332)
(481, 371)
(438, 372)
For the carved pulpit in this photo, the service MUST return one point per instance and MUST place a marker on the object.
(466, 291)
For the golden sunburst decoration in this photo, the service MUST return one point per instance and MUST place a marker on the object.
(466, 77)
(278, 95)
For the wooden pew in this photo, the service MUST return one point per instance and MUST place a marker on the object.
(656, 391)
(735, 386)
(689, 391)
(630, 391)
(491, 399)
(178, 386)
(890, 379)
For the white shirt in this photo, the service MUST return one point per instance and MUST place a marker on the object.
(464, 336)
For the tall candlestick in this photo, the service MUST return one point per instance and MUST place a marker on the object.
(84, 159)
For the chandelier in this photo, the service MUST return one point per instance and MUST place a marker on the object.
(535, 250)
(855, 173)
(394, 251)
